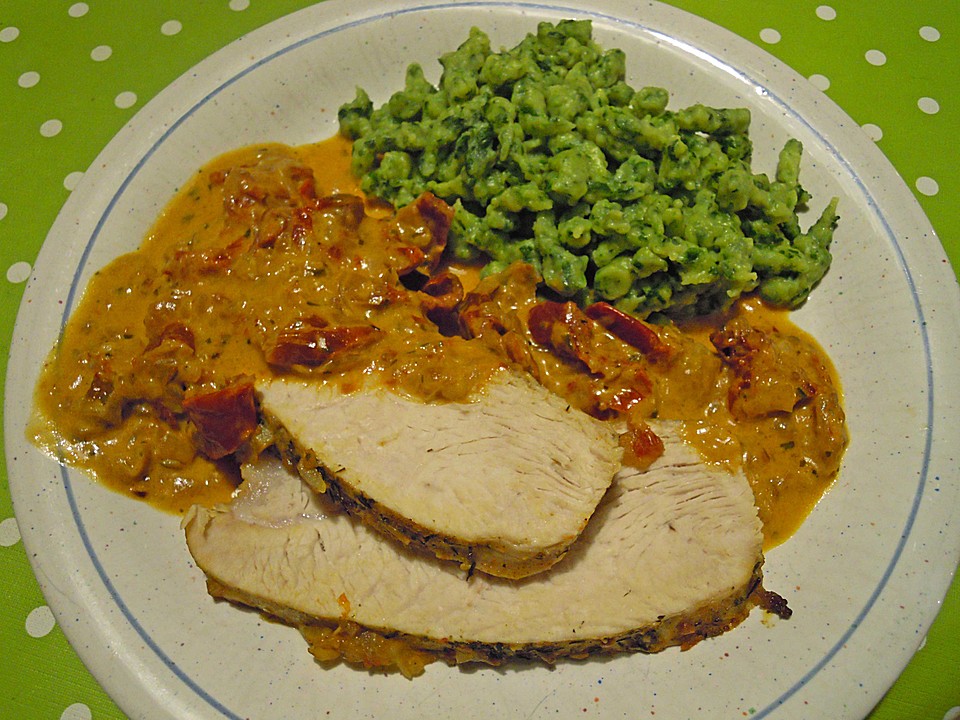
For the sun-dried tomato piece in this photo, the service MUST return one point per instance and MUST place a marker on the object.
(631, 330)
(409, 258)
(438, 216)
(421, 232)
(442, 295)
(571, 335)
(566, 329)
(224, 418)
(556, 326)
(310, 342)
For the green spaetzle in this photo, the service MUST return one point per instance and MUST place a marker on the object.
(548, 156)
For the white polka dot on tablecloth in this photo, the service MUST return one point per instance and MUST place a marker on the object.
(9, 532)
(927, 185)
(952, 714)
(77, 711)
(875, 57)
(71, 181)
(101, 53)
(171, 27)
(125, 100)
(18, 272)
(51, 127)
(238, 5)
(825, 12)
(78, 10)
(930, 34)
(820, 82)
(928, 105)
(770, 36)
(39, 622)
(9, 33)
(28, 79)
(3, 210)
(873, 131)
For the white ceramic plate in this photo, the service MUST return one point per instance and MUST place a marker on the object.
(864, 575)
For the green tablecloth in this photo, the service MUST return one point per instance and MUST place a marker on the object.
(72, 73)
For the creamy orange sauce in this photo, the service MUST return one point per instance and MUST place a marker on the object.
(269, 248)
(203, 300)
(790, 458)
(772, 409)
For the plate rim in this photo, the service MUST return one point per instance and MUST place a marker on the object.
(249, 43)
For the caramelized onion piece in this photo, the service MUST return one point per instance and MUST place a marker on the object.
(774, 373)
(365, 648)
(188, 263)
(175, 333)
(641, 445)
(349, 208)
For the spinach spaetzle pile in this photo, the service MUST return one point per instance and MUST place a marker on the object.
(549, 156)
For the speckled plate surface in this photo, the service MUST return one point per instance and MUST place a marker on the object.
(864, 575)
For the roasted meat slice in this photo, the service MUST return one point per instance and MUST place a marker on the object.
(502, 483)
(672, 555)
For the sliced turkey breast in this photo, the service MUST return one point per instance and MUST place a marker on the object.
(672, 555)
(502, 483)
